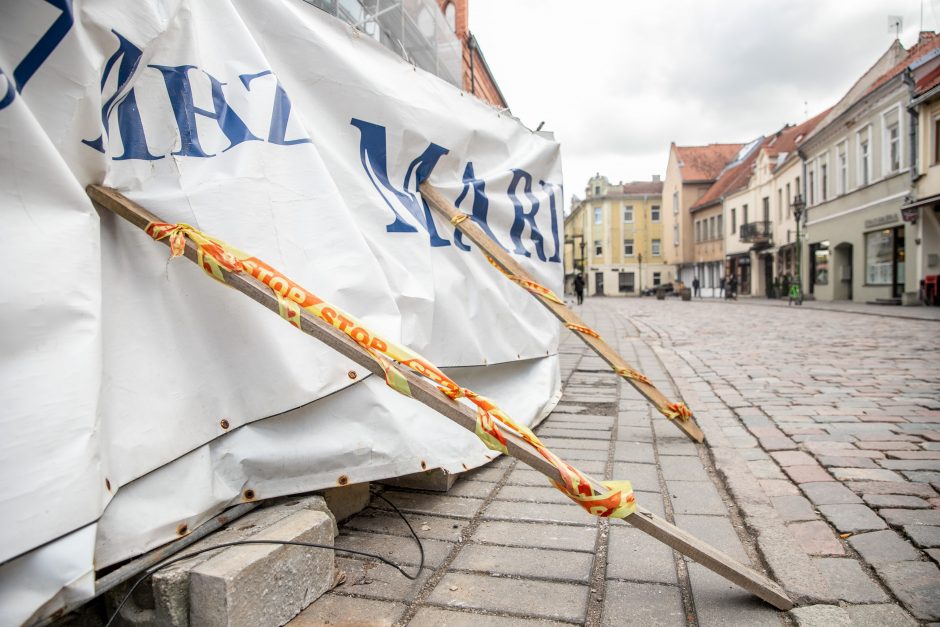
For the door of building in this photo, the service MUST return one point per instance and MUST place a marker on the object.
(598, 283)
(769, 276)
(897, 269)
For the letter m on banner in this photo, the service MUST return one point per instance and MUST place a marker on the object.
(373, 153)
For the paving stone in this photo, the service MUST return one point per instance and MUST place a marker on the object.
(717, 531)
(895, 500)
(439, 617)
(911, 464)
(779, 487)
(852, 518)
(879, 616)
(883, 546)
(816, 538)
(695, 497)
(635, 434)
(580, 444)
(471, 489)
(916, 584)
(562, 434)
(533, 494)
(846, 462)
(633, 603)
(865, 474)
(934, 554)
(902, 517)
(807, 474)
(765, 469)
(829, 493)
(525, 562)
(395, 548)
(676, 446)
(888, 446)
(793, 508)
(566, 513)
(636, 556)
(383, 522)
(643, 477)
(924, 536)
(923, 476)
(543, 535)
(682, 468)
(719, 602)
(543, 599)
(922, 490)
(793, 458)
(821, 616)
(430, 504)
(332, 609)
(579, 455)
(848, 581)
(634, 452)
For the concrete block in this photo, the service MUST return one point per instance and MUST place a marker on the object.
(260, 585)
(171, 585)
(433, 480)
(348, 500)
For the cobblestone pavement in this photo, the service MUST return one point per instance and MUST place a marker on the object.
(822, 468)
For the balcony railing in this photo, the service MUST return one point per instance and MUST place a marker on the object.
(757, 232)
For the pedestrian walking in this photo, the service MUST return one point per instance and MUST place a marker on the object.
(721, 287)
(733, 288)
(579, 287)
(695, 288)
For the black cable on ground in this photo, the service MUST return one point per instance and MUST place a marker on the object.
(170, 561)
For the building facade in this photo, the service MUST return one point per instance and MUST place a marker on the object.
(615, 236)
(858, 163)
(690, 173)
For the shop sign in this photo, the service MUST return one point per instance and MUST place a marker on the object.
(891, 218)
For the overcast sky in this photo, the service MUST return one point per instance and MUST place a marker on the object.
(618, 80)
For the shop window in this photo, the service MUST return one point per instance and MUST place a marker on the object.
(657, 279)
(626, 285)
(879, 255)
(819, 257)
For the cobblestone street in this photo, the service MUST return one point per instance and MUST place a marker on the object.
(821, 468)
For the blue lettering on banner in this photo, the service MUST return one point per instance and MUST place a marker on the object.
(372, 153)
(40, 52)
(279, 115)
(522, 217)
(479, 208)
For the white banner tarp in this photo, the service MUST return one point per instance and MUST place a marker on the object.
(298, 139)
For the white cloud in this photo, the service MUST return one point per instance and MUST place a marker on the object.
(617, 81)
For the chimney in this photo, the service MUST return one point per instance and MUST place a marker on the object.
(656, 178)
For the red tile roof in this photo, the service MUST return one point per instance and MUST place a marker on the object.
(927, 42)
(730, 181)
(786, 139)
(643, 187)
(705, 163)
(928, 81)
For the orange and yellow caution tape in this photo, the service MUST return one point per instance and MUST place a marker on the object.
(213, 255)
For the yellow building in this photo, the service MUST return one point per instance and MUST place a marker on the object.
(615, 237)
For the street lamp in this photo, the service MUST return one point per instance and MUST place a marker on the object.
(798, 206)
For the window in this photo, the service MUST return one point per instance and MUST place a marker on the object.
(779, 205)
(811, 186)
(656, 248)
(598, 215)
(675, 203)
(628, 247)
(879, 253)
(765, 201)
(598, 249)
(797, 184)
(657, 279)
(894, 148)
(743, 214)
(842, 176)
(597, 190)
(936, 140)
(628, 213)
(698, 231)
(654, 213)
(819, 263)
(823, 181)
(864, 156)
(788, 195)
(734, 221)
(711, 227)
(721, 227)
(626, 284)
(675, 235)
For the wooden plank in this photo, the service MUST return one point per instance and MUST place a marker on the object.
(426, 392)
(439, 203)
